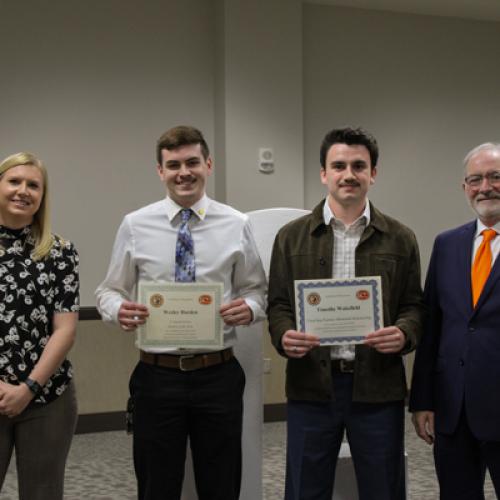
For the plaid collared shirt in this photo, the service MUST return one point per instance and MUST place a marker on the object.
(345, 241)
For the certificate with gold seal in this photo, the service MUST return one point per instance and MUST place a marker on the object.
(181, 315)
(339, 311)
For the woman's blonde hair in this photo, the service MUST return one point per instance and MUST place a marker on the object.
(41, 227)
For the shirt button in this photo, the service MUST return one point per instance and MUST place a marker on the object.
(323, 363)
(322, 261)
(472, 329)
(461, 362)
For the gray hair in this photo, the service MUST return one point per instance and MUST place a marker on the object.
(487, 146)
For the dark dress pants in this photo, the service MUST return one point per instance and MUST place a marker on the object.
(375, 432)
(461, 462)
(41, 437)
(204, 405)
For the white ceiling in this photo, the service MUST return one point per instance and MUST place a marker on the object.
(488, 10)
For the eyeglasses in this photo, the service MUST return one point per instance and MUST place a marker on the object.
(475, 180)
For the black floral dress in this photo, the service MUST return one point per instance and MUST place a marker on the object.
(31, 292)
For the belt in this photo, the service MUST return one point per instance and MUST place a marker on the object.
(188, 362)
(342, 366)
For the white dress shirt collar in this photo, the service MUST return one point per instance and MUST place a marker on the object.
(199, 208)
(478, 238)
(480, 227)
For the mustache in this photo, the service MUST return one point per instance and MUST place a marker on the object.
(492, 196)
(349, 183)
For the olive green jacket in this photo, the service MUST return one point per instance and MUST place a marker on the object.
(303, 250)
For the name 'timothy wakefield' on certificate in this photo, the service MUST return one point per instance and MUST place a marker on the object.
(339, 311)
(181, 315)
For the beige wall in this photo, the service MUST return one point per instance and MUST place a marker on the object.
(263, 102)
(274, 381)
(92, 85)
(427, 87)
(89, 87)
(175, 62)
(103, 358)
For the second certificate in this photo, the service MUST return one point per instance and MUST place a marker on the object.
(181, 315)
(339, 311)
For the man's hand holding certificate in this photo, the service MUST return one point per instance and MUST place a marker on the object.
(181, 315)
(173, 315)
(386, 340)
(340, 311)
(298, 344)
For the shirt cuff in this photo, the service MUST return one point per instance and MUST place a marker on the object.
(110, 313)
(257, 312)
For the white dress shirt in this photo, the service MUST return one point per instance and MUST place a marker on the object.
(224, 249)
(494, 244)
(345, 241)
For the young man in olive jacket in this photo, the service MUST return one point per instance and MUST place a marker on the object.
(357, 389)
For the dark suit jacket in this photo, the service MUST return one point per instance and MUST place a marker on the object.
(458, 360)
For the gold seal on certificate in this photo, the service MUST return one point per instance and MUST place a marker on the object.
(181, 315)
(339, 311)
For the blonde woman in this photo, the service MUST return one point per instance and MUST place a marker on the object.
(39, 297)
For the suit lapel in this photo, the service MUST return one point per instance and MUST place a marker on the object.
(464, 249)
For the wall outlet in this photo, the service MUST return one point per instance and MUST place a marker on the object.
(266, 365)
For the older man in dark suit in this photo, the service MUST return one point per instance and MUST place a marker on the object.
(456, 381)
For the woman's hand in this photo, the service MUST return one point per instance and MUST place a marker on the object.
(14, 398)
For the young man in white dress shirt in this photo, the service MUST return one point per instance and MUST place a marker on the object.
(180, 394)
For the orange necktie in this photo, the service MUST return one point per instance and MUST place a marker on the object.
(482, 264)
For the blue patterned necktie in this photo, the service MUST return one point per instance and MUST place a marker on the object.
(185, 269)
